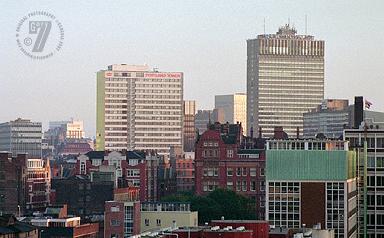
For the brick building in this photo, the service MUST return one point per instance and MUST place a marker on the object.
(12, 182)
(260, 229)
(225, 159)
(132, 168)
(210, 232)
(122, 214)
(83, 196)
(38, 184)
(166, 180)
(183, 168)
(11, 227)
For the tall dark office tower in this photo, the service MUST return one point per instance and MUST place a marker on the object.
(285, 78)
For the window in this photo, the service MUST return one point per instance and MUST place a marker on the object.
(238, 185)
(115, 209)
(244, 185)
(244, 171)
(210, 186)
(146, 221)
(252, 172)
(380, 181)
(253, 185)
(371, 162)
(211, 172)
(230, 185)
(230, 153)
(158, 222)
(371, 181)
(82, 167)
(133, 172)
(262, 172)
(229, 172)
(115, 222)
(262, 186)
(238, 171)
(379, 162)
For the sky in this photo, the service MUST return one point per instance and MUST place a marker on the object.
(204, 39)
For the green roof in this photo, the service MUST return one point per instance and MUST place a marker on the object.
(310, 165)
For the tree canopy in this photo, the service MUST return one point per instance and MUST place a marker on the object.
(217, 204)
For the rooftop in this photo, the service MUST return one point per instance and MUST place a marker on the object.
(286, 32)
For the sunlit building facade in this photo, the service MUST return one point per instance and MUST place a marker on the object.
(285, 78)
(21, 136)
(234, 107)
(139, 109)
(189, 131)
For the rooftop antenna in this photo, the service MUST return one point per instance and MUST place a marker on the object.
(289, 21)
(264, 25)
(306, 25)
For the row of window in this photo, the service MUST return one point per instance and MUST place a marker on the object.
(244, 171)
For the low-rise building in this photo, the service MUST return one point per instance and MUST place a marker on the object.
(260, 229)
(10, 227)
(55, 222)
(13, 170)
(132, 168)
(82, 196)
(159, 215)
(122, 215)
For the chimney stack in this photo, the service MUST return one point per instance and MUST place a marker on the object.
(358, 112)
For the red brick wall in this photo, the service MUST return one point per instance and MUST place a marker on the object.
(260, 228)
(136, 218)
(109, 216)
(86, 230)
(313, 204)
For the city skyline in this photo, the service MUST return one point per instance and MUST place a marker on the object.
(67, 79)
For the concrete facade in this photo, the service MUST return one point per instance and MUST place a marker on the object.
(21, 136)
(312, 182)
(139, 109)
(159, 215)
(285, 78)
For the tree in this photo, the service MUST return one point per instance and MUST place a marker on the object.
(217, 204)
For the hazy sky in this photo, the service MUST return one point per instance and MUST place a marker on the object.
(204, 39)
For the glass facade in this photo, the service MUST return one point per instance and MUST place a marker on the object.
(375, 178)
(284, 204)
